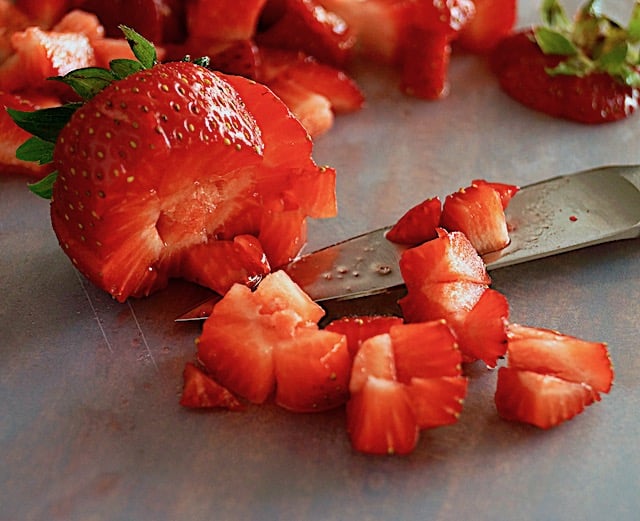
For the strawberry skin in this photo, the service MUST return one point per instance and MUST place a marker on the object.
(520, 65)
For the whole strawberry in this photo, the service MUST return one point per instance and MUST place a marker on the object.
(585, 70)
(172, 170)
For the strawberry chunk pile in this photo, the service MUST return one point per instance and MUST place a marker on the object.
(397, 376)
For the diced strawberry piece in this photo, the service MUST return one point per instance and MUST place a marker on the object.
(304, 25)
(157, 20)
(437, 401)
(219, 264)
(44, 13)
(294, 67)
(482, 331)
(12, 19)
(380, 418)
(13, 136)
(258, 342)
(449, 258)
(312, 372)
(378, 26)
(358, 329)
(424, 350)
(107, 49)
(201, 391)
(549, 352)
(283, 233)
(419, 224)
(539, 399)
(505, 190)
(425, 63)
(78, 21)
(401, 382)
(310, 108)
(240, 57)
(223, 20)
(478, 212)
(448, 17)
(40, 55)
(492, 21)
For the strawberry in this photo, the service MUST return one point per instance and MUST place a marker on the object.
(577, 71)
(12, 19)
(44, 13)
(358, 329)
(419, 224)
(304, 25)
(550, 377)
(136, 194)
(268, 341)
(492, 21)
(401, 382)
(201, 391)
(478, 212)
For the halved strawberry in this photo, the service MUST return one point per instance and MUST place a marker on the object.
(201, 391)
(403, 381)
(478, 212)
(492, 21)
(170, 158)
(358, 329)
(550, 377)
(304, 25)
(259, 342)
(419, 224)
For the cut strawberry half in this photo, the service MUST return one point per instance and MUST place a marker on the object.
(550, 377)
(257, 343)
(401, 382)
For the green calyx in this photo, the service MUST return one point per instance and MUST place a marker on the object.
(591, 42)
(45, 124)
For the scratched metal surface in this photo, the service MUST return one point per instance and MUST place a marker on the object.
(91, 429)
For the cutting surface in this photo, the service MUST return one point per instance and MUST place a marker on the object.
(91, 428)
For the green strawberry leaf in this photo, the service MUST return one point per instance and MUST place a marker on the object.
(44, 123)
(142, 48)
(44, 187)
(633, 29)
(554, 15)
(87, 82)
(36, 150)
(553, 42)
(122, 67)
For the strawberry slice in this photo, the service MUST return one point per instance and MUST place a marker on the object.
(492, 21)
(358, 329)
(419, 224)
(550, 377)
(478, 212)
(571, 70)
(200, 391)
(257, 343)
(401, 382)
(305, 25)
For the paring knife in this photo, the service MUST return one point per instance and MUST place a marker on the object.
(545, 218)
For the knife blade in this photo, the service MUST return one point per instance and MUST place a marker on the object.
(546, 218)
